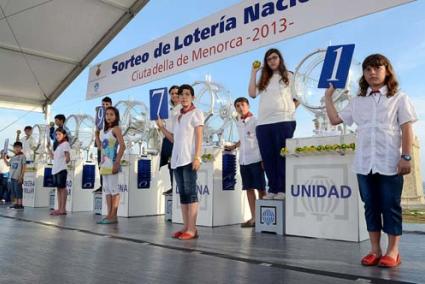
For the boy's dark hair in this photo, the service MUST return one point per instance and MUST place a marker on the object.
(241, 100)
(28, 127)
(186, 87)
(60, 117)
(63, 131)
(172, 88)
(107, 100)
(17, 144)
(117, 120)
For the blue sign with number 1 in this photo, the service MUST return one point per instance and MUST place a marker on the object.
(336, 66)
(158, 100)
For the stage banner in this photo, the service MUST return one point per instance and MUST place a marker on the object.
(234, 30)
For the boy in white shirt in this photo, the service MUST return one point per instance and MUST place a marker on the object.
(250, 161)
(28, 144)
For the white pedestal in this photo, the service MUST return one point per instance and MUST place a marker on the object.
(168, 208)
(270, 216)
(79, 199)
(217, 207)
(136, 201)
(52, 198)
(322, 198)
(34, 194)
(97, 203)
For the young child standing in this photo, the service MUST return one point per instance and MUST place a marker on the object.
(60, 123)
(276, 117)
(384, 118)
(167, 145)
(59, 171)
(185, 159)
(251, 168)
(111, 143)
(28, 144)
(106, 102)
(16, 174)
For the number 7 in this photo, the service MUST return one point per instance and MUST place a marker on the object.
(159, 92)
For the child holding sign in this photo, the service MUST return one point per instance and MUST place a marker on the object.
(17, 170)
(185, 159)
(384, 117)
(167, 145)
(111, 143)
(106, 102)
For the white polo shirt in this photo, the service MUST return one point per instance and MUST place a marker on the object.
(28, 144)
(59, 159)
(174, 111)
(184, 137)
(378, 119)
(249, 153)
(276, 101)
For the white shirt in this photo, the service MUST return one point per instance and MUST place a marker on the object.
(4, 168)
(276, 102)
(249, 153)
(378, 119)
(184, 137)
(59, 163)
(174, 111)
(28, 144)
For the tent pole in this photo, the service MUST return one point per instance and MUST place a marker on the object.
(47, 112)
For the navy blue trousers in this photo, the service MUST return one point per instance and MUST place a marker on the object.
(382, 197)
(271, 138)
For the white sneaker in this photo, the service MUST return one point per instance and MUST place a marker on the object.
(270, 196)
(279, 196)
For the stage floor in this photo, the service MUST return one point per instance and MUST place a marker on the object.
(39, 248)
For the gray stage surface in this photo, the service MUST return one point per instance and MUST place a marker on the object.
(38, 248)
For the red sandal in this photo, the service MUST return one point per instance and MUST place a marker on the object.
(176, 235)
(186, 236)
(371, 259)
(388, 262)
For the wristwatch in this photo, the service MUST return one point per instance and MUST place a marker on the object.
(406, 157)
(197, 158)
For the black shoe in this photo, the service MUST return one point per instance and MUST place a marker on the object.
(168, 192)
(19, 207)
(99, 190)
(14, 206)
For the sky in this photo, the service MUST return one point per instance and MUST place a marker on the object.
(396, 33)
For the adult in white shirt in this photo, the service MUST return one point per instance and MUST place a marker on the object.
(276, 117)
(28, 144)
(384, 118)
(167, 145)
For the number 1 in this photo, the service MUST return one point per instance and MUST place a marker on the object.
(336, 66)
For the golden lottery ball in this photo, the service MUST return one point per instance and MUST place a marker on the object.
(256, 64)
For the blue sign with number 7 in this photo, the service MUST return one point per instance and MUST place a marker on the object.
(158, 100)
(336, 66)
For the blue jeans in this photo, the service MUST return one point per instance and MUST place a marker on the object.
(382, 197)
(271, 138)
(166, 150)
(186, 184)
(16, 188)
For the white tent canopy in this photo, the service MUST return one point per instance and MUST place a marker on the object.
(45, 44)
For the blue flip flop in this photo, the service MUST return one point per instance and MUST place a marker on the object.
(106, 222)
